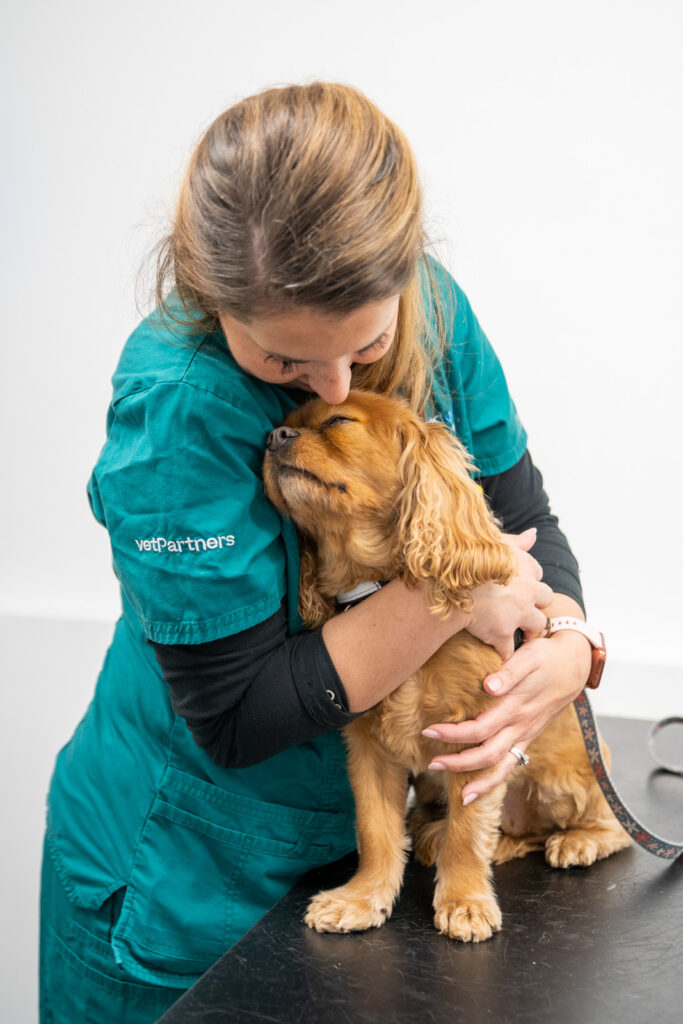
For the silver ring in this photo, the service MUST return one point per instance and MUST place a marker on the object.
(522, 759)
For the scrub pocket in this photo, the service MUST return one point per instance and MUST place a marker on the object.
(209, 864)
(80, 980)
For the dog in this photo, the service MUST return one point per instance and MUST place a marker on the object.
(377, 494)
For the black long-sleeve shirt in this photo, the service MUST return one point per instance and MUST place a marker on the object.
(249, 696)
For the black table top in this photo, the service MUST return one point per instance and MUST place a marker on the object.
(600, 944)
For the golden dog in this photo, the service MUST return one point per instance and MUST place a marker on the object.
(379, 495)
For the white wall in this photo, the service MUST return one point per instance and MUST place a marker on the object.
(550, 141)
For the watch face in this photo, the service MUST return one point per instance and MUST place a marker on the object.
(598, 660)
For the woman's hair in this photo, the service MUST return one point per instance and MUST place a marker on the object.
(303, 196)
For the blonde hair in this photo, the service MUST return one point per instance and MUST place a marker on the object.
(304, 196)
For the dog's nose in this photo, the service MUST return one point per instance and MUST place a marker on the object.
(280, 438)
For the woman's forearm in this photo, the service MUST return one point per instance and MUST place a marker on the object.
(375, 646)
(378, 644)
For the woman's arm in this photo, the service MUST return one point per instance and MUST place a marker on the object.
(378, 644)
(248, 696)
(251, 695)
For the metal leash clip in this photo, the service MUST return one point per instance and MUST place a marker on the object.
(675, 769)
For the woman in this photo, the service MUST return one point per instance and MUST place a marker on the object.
(208, 773)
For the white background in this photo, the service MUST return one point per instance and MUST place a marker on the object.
(550, 141)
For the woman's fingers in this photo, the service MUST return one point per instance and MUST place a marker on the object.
(495, 755)
(476, 730)
(487, 783)
(488, 755)
(495, 730)
(490, 722)
(528, 567)
(522, 663)
(523, 541)
(498, 611)
(535, 620)
(504, 646)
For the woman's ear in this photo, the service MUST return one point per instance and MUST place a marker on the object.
(314, 609)
(448, 536)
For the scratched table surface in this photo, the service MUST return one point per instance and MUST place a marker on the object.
(600, 944)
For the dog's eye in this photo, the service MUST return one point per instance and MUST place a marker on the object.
(334, 420)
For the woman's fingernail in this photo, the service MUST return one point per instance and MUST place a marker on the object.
(432, 734)
(494, 684)
(436, 766)
(469, 799)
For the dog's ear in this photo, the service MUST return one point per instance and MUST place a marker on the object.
(448, 536)
(314, 608)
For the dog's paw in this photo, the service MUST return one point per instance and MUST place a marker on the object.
(470, 920)
(343, 910)
(573, 848)
(514, 847)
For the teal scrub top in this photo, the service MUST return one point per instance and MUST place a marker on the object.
(200, 852)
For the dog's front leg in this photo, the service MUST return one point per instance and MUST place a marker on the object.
(465, 902)
(379, 788)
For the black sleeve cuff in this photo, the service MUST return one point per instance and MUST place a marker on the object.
(249, 696)
(318, 684)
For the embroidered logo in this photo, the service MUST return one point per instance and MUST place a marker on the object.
(178, 546)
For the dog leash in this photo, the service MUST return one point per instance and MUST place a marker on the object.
(639, 833)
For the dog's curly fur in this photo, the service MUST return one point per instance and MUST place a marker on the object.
(378, 494)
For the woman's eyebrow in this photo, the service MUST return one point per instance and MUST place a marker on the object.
(289, 359)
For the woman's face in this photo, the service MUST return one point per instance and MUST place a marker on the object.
(311, 350)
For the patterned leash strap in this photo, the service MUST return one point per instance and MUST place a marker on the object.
(648, 840)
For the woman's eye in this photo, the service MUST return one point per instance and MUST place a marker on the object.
(371, 350)
(285, 365)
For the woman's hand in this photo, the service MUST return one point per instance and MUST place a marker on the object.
(533, 685)
(498, 611)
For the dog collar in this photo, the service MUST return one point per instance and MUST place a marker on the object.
(348, 598)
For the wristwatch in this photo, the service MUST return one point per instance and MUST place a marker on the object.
(594, 637)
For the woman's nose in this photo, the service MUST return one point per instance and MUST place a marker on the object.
(331, 382)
